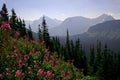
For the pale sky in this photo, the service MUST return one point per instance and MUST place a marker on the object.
(61, 9)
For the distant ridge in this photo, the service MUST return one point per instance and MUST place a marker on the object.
(78, 25)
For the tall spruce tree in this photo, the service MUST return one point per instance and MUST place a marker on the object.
(76, 54)
(72, 50)
(39, 33)
(92, 61)
(67, 45)
(45, 33)
(4, 13)
(98, 56)
(80, 60)
(13, 20)
(23, 28)
(30, 35)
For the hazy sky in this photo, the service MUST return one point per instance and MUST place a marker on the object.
(61, 9)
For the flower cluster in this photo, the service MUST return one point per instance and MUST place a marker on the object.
(34, 62)
(41, 74)
(5, 25)
(19, 74)
(17, 33)
(1, 76)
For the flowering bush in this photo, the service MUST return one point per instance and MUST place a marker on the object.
(5, 26)
(30, 60)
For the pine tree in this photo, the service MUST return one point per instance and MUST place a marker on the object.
(72, 50)
(103, 68)
(45, 33)
(80, 60)
(67, 45)
(4, 13)
(39, 33)
(85, 64)
(98, 56)
(118, 67)
(30, 35)
(92, 61)
(23, 28)
(76, 54)
(13, 20)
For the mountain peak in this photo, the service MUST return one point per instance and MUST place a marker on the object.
(105, 16)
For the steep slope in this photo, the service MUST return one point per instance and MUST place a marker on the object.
(107, 32)
(25, 59)
(78, 25)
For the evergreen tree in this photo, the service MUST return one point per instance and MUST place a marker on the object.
(103, 67)
(19, 27)
(85, 65)
(39, 33)
(30, 35)
(17, 24)
(98, 57)
(72, 50)
(4, 13)
(76, 54)
(13, 20)
(118, 67)
(92, 61)
(80, 60)
(45, 33)
(67, 45)
(23, 28)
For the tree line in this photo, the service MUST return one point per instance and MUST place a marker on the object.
(101, 63)
(17, 24)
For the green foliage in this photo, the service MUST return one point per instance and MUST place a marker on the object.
(27, 56)
(29, 32)
(5, 13)
(67, 46)
(40, 33)
(92, 61)
(45, 33)
(22, 58)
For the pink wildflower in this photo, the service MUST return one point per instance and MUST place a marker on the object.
(14, 47)
(29, 68)
(19, 74)
(51, 62)
(36, 53)
(63, 72)
(49, 74)
(5, 25)
(57, 61)
(40, 72)
(35, 66)
(20, 63)
(30, 73)
(26, 57)
(19, 55)
(43, 42)
(1, 76)
(51, 57)
(7, 69)
(13, 70)
(17, 33)
(35, 61)
(15, 51)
